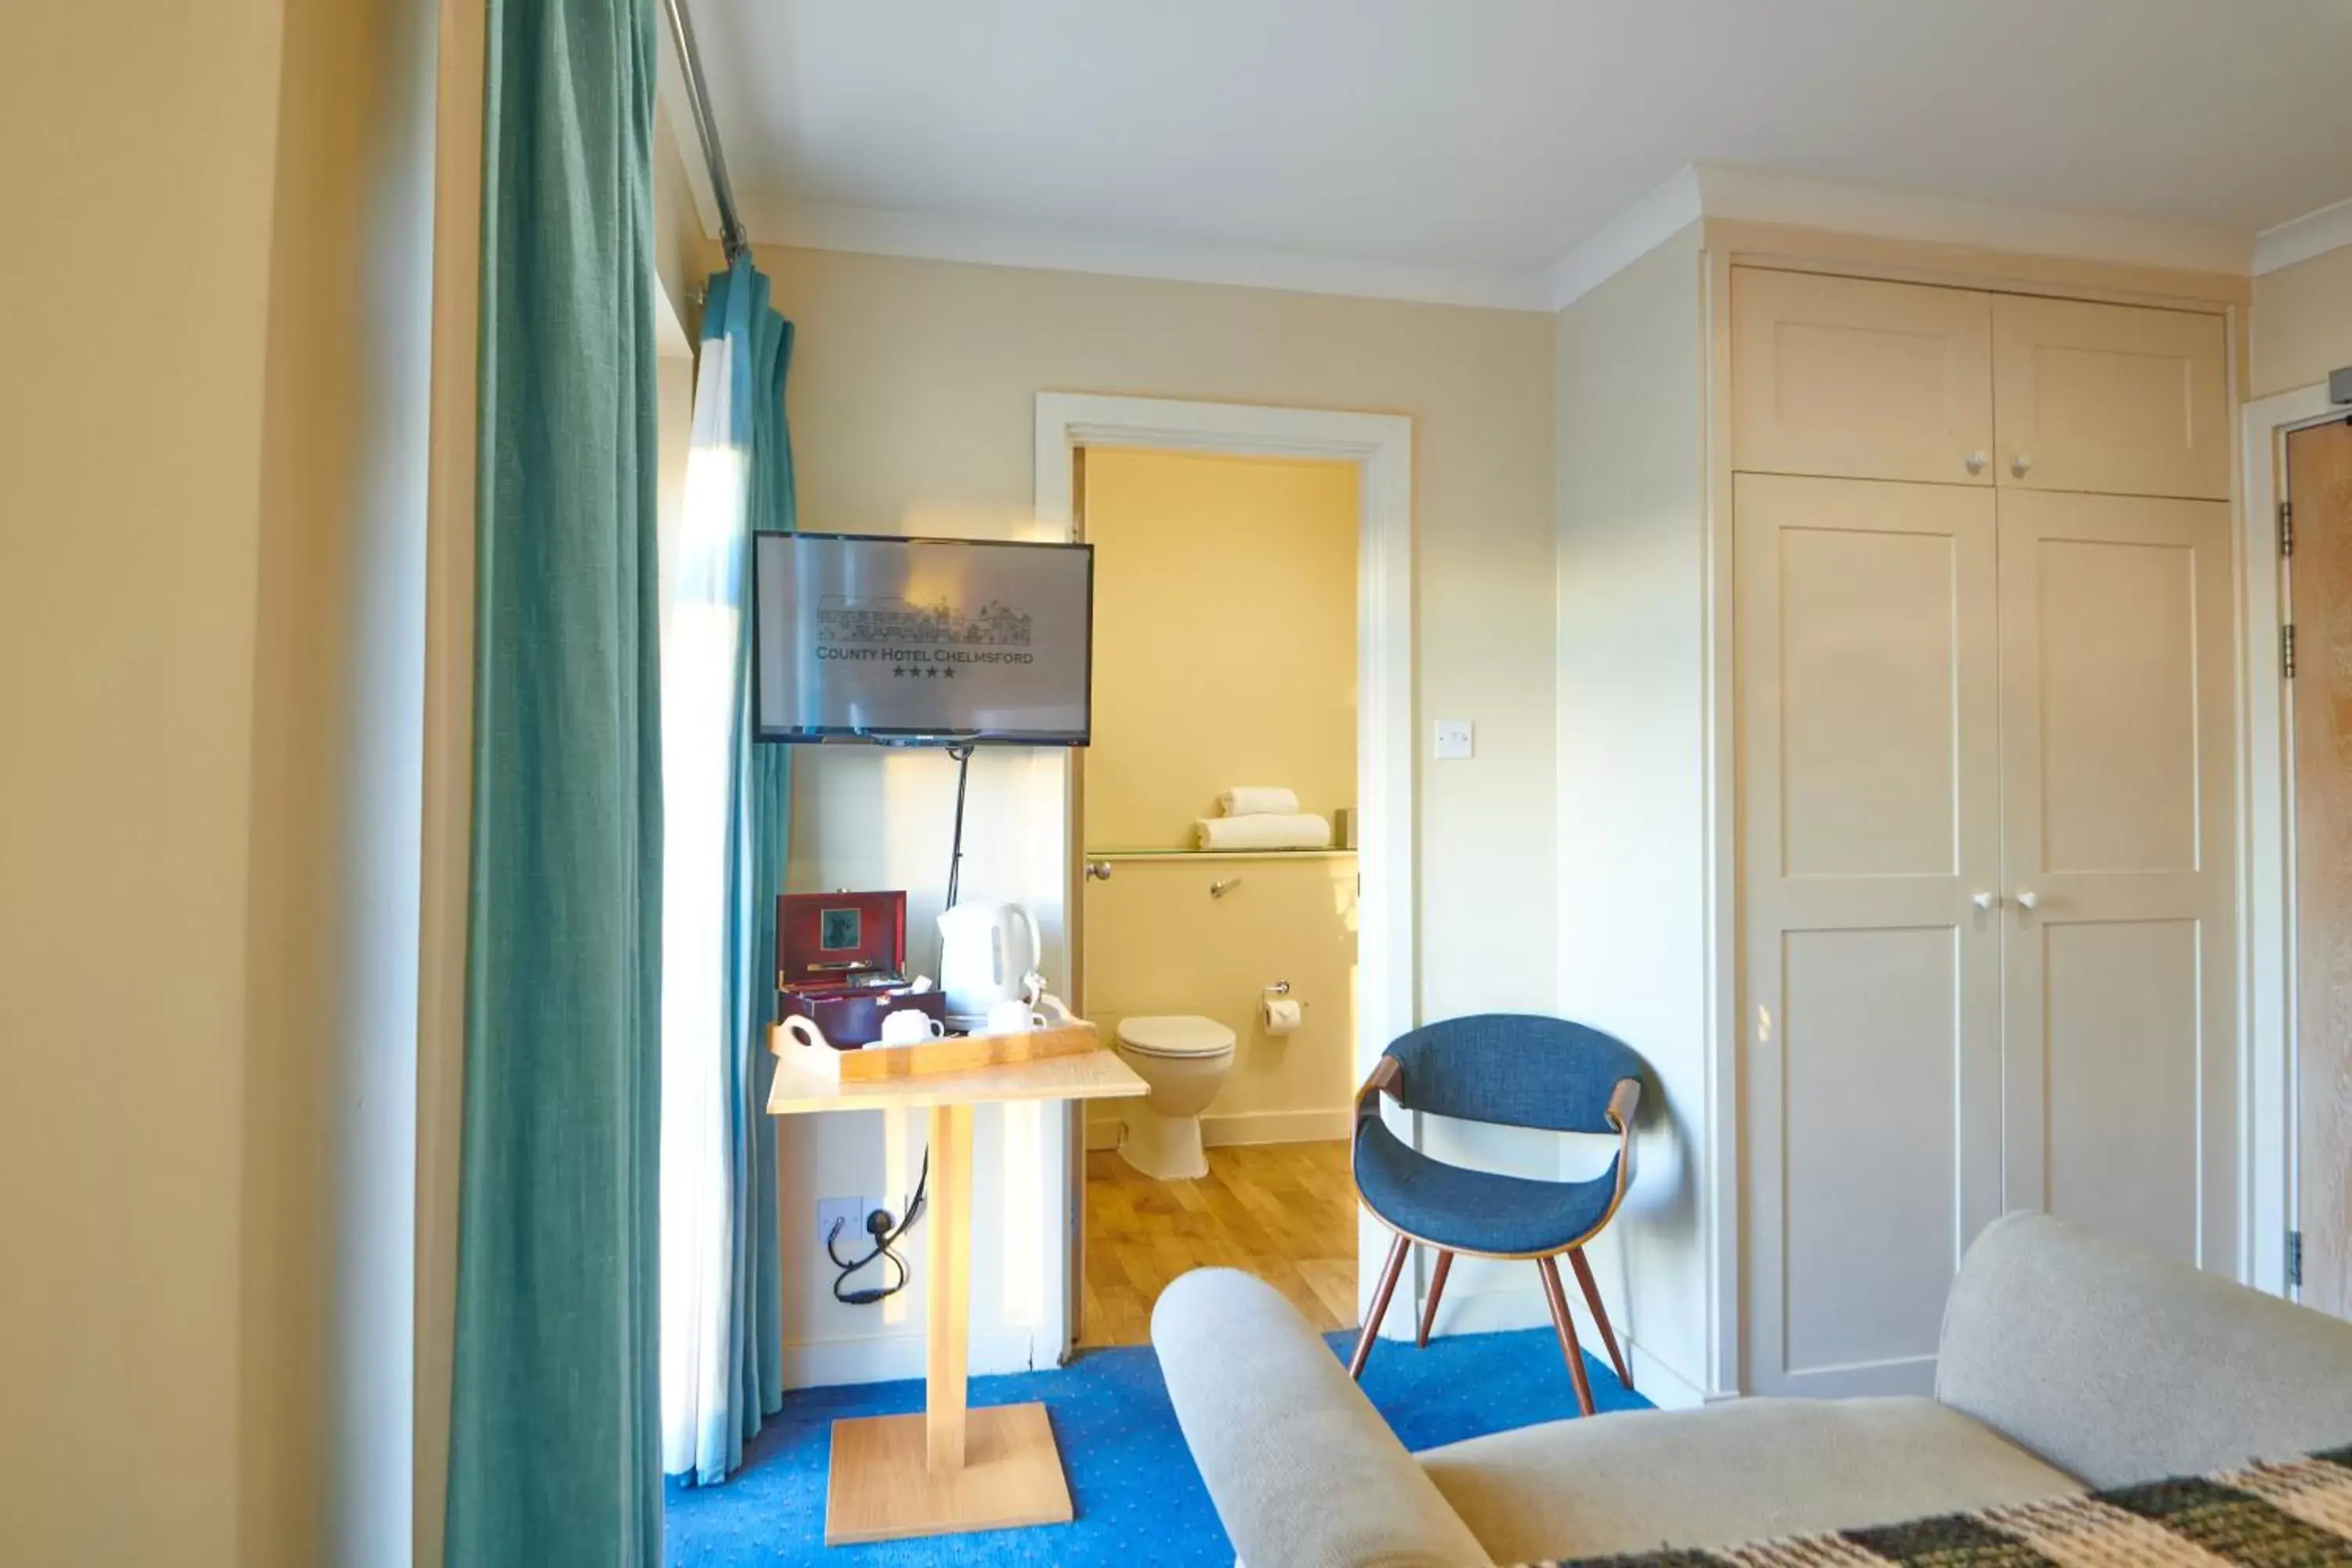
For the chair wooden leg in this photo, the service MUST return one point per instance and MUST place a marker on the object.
(1557, 1297)
(1379, 1309)
(1600, 1314)
(1436, 1288)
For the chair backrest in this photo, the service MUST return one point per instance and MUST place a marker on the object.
(1517, 1069)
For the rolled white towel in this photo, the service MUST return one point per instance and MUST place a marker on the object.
(1258, 800)
(1266, 832)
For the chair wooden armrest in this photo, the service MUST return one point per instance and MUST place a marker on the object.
(1383, 1079)
(1623, 1102)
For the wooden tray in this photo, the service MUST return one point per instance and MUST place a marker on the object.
(962, 1053)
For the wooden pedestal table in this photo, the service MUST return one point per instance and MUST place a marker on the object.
(949, 1470)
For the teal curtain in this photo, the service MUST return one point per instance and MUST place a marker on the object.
(774, 510)
(722, 1286)
(555, 1440)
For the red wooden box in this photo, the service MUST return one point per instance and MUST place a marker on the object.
(827, 939)
(841, 963)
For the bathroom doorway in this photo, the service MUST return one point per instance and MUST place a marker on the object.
(1217, 919)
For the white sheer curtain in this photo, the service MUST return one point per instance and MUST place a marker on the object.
(704, 945)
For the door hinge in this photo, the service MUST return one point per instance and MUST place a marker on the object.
(2287, 528)
(2294, 1259)
(2286, 650)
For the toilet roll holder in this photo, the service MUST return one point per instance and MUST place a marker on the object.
(1266, 1003)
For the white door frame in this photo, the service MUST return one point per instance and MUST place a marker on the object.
(2267, 852)
(1381, 445)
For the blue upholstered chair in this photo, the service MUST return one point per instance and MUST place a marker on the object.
(1516, 1070)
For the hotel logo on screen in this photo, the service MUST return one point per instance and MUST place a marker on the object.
(921, 639)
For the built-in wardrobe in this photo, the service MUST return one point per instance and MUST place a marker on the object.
(1899, 776)
(1984, 598)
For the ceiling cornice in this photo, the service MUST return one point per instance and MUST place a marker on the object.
(1694, 191)
(1764, 196)
(1627, 237)
(933, 237)
(2313, 234)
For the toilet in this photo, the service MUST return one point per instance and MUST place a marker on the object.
(1183, 1060)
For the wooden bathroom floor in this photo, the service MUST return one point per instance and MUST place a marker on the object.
(1283, 1211)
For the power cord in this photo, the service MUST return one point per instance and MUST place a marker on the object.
(885, 1233)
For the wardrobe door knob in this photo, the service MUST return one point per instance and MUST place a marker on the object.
(2019, 464)
(2029, 899)
(1987, 901)
(1975, 461)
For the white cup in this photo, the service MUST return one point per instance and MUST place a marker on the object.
(1014, 1016)
(910, 1027)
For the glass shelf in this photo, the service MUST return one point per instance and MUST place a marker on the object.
(1131, 855)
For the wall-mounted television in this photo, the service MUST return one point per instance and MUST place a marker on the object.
(944, 641)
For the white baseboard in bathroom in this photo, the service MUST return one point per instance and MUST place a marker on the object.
(1244, 1127)
(1276, 1127)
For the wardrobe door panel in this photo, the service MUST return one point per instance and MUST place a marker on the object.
(1870, 980)
(1853, 377)
(2118, 399)
(2121, 1076)
(2118, 783)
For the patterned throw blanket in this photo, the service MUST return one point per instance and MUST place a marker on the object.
(2296, 1515)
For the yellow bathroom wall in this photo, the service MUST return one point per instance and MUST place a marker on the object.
(1224, 638)
(1157, 940)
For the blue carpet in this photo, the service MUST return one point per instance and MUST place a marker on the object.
(1139, 1501)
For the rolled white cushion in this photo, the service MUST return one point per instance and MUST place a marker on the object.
(1258, 800)
(1290, 832)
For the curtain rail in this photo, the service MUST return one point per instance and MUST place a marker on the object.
(706, 128)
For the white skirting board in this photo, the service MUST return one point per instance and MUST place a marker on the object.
(1496, 1310)
(1245, 1127)
(1662, 1386)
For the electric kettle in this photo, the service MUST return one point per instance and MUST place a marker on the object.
(988, 954)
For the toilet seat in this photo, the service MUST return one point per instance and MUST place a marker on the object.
(1175, 1035)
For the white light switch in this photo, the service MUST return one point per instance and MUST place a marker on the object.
(1454, 740)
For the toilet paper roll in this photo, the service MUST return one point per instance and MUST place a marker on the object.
(1282, 1015)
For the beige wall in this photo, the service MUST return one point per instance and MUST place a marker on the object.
(1224, 638)
(132, 420)
(187, 811)
(913, 409)
(912, 404)
(1634, 757)
(683, 255)
(2301, 323)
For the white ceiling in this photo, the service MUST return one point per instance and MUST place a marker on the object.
(1467, 146)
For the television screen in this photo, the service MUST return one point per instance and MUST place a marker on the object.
(858, 637)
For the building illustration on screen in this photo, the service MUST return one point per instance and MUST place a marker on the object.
(848, 621)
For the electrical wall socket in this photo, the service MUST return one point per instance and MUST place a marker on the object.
(851, 1212)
